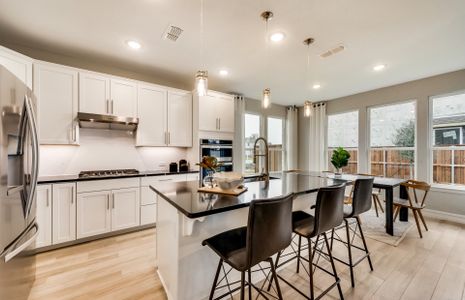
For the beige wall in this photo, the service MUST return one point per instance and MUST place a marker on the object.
(421, 91)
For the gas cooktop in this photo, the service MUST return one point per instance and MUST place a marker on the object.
(108, 173)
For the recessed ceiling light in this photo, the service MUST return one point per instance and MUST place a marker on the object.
(133, 44)
(224, 72)
(316, 86)
(379, 67)
(277, 37)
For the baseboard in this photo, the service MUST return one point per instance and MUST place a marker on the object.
(442, 215)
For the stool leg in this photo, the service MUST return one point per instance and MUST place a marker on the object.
(376, 205)
(349, 248)
(332, 239)
(273, 272)
(364, 242)
(242, 284)
(379, 203)
(333, 266)
(250, 284)
(212, 292)
(310, 267)
(298, 253)
(276, 265)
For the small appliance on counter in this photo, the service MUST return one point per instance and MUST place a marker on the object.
(183, 166)
(173, 167)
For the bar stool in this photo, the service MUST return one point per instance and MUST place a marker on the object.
(328, 215)
(268, 231)
(361, 202)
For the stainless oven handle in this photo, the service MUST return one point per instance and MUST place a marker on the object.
(216, 147)
(10, 254)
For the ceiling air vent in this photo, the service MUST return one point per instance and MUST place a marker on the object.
(172, 33)
(332, 51)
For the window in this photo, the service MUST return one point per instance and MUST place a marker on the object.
(343, 132)
(251, 133)
(448, 125)
(392, 140)
(275, 143)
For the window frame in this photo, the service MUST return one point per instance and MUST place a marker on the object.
(260, 129)
(453, 188)
(358, 135)
(283, 138)
(368, 132)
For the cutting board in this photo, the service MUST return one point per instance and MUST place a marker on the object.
(217, 190)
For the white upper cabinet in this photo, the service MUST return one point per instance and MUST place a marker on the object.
(123, 100)
(179, 119)
(152, 107)
(216, 112)
(103, 94)
(56, 89)
(64, 212)
(94, 93)
(18, 64)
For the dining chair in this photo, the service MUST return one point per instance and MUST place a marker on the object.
(417, 192)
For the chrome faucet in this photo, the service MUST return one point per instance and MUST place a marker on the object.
(266, 171)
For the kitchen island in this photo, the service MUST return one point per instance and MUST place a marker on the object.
(185, 217)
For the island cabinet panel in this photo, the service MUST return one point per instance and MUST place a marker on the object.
(56, 89)
(94, 93)
(64, 212)
(216, 112)
(44, 215)
(152, 107)
(125, 210)
(18, 64)
(93, 213)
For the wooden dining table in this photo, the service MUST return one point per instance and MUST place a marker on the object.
(388, 185)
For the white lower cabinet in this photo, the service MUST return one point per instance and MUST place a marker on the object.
(44, 215)
(125, 212)
(93, 213)
(64, 212)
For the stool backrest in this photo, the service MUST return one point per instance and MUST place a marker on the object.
(269, 228)
(329, 208)
(361, 199)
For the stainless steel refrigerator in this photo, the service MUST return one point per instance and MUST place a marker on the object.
(19, 162)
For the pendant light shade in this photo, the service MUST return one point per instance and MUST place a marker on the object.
(307, 109)
(201, 83)
(266, 99)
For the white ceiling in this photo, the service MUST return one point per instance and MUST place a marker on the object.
(415, 39)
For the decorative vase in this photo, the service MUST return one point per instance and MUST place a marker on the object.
(208, 181)
(338, 173)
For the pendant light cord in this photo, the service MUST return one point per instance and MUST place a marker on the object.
(202, 46)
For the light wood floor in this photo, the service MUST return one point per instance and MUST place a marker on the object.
(124, 268)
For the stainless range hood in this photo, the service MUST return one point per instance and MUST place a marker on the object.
(88, 120)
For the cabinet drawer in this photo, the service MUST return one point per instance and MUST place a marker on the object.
(154, 180)
(107, 184)
(148, 214)
(147, 196)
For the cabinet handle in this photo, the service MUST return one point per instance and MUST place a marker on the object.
(72, 195)
(108, 202)
(166, 179)
(48, 198)
(112, 107)
(219, 123)
(166, 138)
(113, 200)
(169, 138)
(108, 107)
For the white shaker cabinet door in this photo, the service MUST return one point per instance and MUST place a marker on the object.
(64, 212)
(123, 99)
(94, 93)
(179, 119)
(93, 213)
(152, 107)
(125, 208)
(225, 113)
(208, 114)
(44, 215)
(56, 89)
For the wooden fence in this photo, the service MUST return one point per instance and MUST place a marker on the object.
(449, 165)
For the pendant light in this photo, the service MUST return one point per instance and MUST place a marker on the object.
(308, 104)
(201, 77)
(266, 96)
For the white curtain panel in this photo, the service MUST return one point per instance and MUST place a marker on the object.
(291, 138)
(317, 138)
(239, 146)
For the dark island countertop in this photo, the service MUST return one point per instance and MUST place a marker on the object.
(185, 197)
(75, 177)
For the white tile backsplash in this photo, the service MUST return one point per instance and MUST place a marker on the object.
(105, 149)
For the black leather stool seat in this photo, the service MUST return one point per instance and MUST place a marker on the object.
(303, 223)
(231, 247)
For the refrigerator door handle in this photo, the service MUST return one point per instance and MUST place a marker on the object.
(35, 153)
(10, 254)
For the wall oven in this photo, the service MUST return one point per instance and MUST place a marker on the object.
(221, 149)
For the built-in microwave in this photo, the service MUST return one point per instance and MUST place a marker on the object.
(221, 149)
